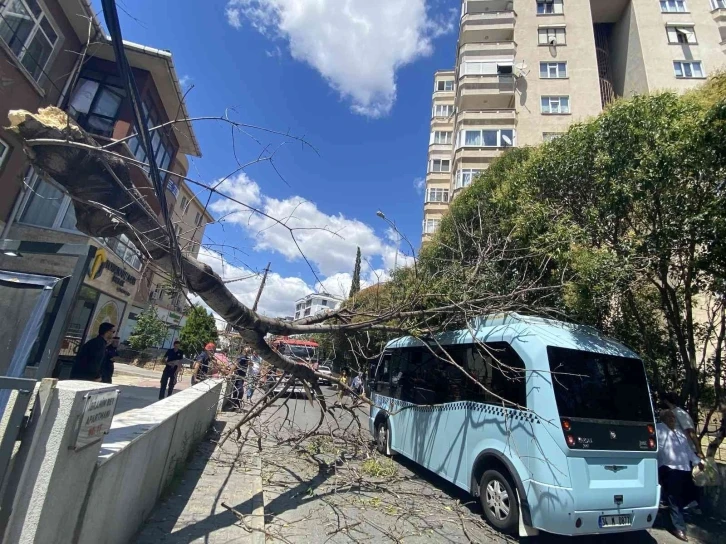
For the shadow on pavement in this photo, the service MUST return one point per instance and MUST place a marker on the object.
(159, 526)
(640, 537)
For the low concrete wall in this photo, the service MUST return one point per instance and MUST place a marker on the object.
(138, 460)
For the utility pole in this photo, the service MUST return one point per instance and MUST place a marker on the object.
(262, 286)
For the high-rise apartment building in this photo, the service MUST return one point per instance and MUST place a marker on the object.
(527, 69)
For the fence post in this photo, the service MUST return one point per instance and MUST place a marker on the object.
(55, 478)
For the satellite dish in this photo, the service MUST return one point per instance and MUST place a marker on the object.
(553, 42)
(522, 69)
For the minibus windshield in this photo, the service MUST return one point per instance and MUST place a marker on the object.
(597, 386)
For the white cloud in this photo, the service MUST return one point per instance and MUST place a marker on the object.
(278, 297)
(419, 184)
(356, 45)
(329, 242)
(185, 81)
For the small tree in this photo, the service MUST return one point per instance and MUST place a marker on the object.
(355, 286)
(199, 330)
(149, 331)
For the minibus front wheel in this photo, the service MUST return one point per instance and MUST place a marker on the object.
(499, 501)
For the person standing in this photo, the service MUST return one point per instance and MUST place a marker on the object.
(203, 364)
(343, 383)
(676, 459)
(253, 372)
(683, 421)
(174, 360)
(239, 378)
(90, 358)
(111, 353)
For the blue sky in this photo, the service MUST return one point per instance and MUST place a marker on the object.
(354, 78)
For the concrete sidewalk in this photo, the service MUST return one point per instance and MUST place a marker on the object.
(192, 510)
(140, 387)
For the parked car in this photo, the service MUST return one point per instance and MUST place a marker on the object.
(329, 373)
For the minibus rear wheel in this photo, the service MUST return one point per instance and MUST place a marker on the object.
(499, 501)
(382, 437)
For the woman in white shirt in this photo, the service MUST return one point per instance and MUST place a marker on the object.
(676, 459)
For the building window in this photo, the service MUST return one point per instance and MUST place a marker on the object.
(441, 137)
(447, 85)
(718, 4)
(125, 248)
(4, 152)
(688, 70)
(163, 150)
(96, 101)
(466, 176)
(552, 36)
(184, 202)
(673, 6)
(28, 32)
(486, 68)
(681, 34)
(486, 138)
(440, 165)
(552, 70)
(198, 219)
(443, 110)
(549, 136)
(323, 302)
(549, 7)
(431, 225)
(553, 105)
(48, 206)
(438, 195)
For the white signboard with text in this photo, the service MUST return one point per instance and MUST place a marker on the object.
(96, 418)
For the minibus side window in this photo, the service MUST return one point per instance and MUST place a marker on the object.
(500, 370)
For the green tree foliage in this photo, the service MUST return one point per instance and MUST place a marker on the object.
(355, 285)
(198, 331)
(149, 331)
(619, 223)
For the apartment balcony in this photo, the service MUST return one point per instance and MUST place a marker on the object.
(485, 49)
(442, 123)
(504, 118)
(475, 156)
(492, 26)
(438, 177)
(719, 15)
(486, 92)
(434, 208)
(439, 149)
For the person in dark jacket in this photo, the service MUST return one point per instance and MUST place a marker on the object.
(204, 364)
(174, 358)
(111, 354)
(90, 357)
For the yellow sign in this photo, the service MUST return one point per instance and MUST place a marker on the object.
(96, 267)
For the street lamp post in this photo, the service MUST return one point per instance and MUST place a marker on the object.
(382, 215)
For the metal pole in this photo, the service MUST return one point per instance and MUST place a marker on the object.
(262, 286)
(398, 242)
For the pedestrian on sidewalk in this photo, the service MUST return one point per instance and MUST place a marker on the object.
(90, 357)
(174, 360)
(204, 364)
(675, 464)
(111, 353)
(239, 377)
(343, 383)
(253, 372)
(684, 422)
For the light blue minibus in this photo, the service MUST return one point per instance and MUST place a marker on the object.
(550, 424)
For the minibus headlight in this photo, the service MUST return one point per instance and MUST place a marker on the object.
(571, 440)
(566, 425)
(651, 443)
(651, 430)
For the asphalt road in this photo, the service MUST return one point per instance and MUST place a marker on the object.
(332, 487)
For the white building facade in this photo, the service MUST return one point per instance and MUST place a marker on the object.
(316, 303)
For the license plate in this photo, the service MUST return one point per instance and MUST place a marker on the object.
(624, 520)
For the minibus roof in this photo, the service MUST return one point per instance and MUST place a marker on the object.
(550, 332)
